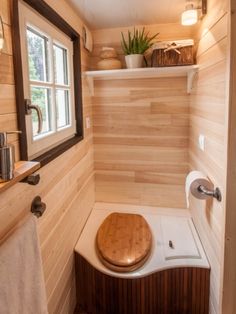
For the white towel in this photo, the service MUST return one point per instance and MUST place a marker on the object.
(22, 288)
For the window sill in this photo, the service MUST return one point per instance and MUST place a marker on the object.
(22, 170)
(58, 150)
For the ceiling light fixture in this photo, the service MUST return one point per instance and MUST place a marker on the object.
(191, 13)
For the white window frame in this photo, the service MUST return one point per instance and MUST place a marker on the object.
(44, 142)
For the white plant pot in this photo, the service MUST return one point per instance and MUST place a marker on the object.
(134, 61)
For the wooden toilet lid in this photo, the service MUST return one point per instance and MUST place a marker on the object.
(124, 241)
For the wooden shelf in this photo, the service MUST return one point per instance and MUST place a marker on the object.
(177, 71)
(22, 170)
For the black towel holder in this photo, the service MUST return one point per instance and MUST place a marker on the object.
(37, 206)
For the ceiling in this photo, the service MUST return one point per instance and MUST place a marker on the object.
(120, 13)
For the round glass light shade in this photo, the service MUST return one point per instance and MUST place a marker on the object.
(189, 17)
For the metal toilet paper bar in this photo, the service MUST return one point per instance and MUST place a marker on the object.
(216, 193)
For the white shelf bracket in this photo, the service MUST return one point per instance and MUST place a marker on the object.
(190, 79)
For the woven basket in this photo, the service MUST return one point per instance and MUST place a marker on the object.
(173, 53)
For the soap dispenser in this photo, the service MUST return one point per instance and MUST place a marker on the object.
(7, 157)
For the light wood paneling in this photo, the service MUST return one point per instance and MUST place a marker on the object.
(6, 69)
(229, 300)
(208, 116)
(7, 99)
(141, 130)
(7, 48)
(5, 11)
(8, 116)
(66, 186)
(170, 32)
(141, 141)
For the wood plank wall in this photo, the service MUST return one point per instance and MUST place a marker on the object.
(8, 114)
(141, 130)
(229, 300)
(67, 183)
(208, 116)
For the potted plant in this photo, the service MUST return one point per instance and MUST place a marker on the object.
(135, 47)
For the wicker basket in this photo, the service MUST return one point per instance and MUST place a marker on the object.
(171, 53)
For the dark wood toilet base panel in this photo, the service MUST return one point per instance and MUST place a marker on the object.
(172, 291)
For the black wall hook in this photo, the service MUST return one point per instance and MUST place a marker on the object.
(38, 207)
(32, 179)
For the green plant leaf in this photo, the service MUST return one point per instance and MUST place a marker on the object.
(138, 42)
(124, 44)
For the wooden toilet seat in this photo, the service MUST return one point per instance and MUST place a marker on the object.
(124, 242)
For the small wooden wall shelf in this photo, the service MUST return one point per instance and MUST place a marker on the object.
(22, 170)
(177, 71)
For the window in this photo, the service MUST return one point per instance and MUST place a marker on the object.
(49, 80)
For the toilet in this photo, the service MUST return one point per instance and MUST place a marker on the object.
(123, 242)
(132, 261)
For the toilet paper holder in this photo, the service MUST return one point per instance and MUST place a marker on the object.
(216, 193)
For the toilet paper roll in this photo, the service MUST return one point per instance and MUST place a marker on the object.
(193, 181)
